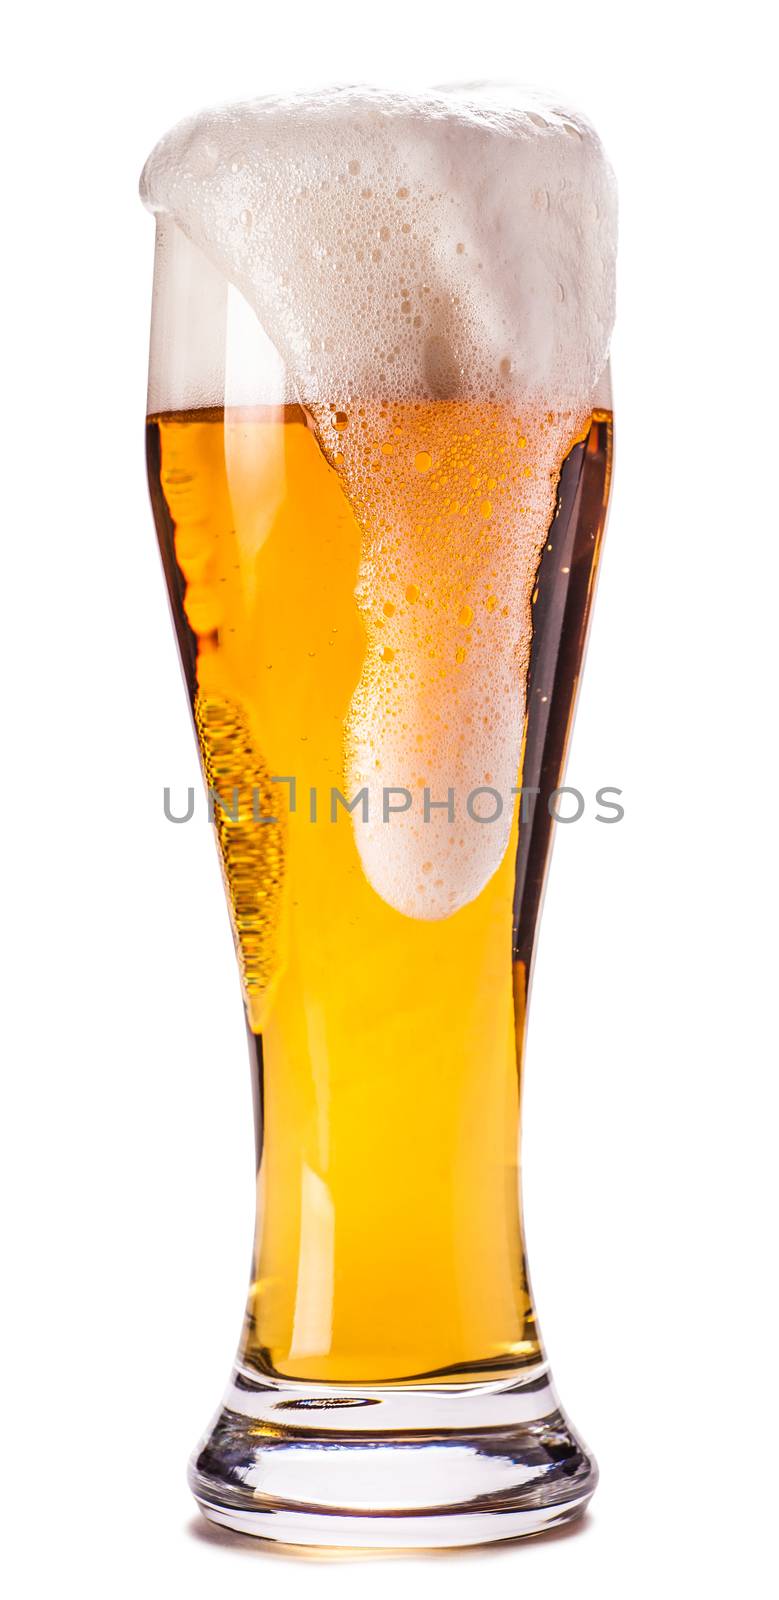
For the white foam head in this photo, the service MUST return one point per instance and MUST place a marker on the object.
(455, 246)
(446, 243)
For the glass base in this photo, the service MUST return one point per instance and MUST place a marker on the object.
(407, 1468)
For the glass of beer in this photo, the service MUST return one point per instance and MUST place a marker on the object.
(379, 446)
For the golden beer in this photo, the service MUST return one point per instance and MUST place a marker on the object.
(388, 1047)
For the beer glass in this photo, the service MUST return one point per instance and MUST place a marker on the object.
(382, 658)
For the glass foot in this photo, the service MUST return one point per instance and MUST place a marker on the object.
(394, 1467)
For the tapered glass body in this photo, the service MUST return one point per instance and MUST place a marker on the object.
(390, 1319)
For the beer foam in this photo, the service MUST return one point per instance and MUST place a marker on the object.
(454, 499)
(442, 244)
(455, 248)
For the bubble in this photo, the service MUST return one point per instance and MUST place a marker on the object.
(203, 608)
(442, 376)
(423, 461)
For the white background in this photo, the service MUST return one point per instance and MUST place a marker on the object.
(651, 1101)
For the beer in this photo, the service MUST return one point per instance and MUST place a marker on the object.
(389, 1241)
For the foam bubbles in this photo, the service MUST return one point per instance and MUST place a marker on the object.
(453, 522)
(406, 247)
(437, 274)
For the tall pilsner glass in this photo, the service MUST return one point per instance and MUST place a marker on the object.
(379, 450)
